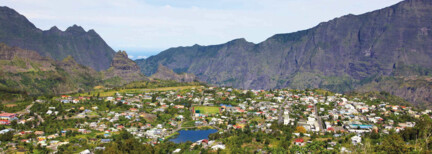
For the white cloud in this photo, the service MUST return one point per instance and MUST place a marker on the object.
(160, 24)
(141, 57)
(130, 56)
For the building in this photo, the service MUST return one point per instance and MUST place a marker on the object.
(356, 140)
(299, 141)
(6, 118)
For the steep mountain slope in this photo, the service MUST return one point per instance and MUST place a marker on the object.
(27, 72)
(122, 70)
(417, 90)
(339, 55)
(165, 73)
(87, 48)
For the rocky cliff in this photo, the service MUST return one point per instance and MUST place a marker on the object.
(87, 48)
(122, 70)
(340, 55)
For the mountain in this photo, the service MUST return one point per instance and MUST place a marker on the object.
(165, 73)
(25, 71)
(87, 48)
(122, 70)
(415, 89)
(343, 54)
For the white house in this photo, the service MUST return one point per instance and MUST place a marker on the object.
(356, 140)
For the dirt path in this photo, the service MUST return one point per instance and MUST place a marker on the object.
(26, 110)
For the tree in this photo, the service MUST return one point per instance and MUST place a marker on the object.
(393, 144)
(154, 98)
(301, 129)
(14, 124)
(6, 137)
(250, 94)
(425, 127)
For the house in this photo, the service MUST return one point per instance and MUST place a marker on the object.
(356, 140)
(6, 118)
(49, 112)
(179, 106)
(180, 117)
(359, 128)
(85, 152)
(84, 131)
(93, 125)
(299, 141)
(41, 138)
(176, 150)
(111, 98)
(219, 146)
(52, 136)
(286, 120)
(39, 133)
(105, 140)
(407, 124)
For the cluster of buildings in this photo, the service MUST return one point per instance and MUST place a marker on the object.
(144, 115)
(6, 118)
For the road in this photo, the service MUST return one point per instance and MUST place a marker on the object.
(40, 118)
(318, 119)
(26, 110)
(202, 98)
(281, 111)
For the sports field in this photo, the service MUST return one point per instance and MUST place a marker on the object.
(207, 109)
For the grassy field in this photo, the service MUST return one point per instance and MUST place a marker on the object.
(188, 124)
(207, 109)
(103, 93)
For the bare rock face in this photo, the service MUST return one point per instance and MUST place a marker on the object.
(165, 73)
(339, 55)
(124, 68)
(87, 48)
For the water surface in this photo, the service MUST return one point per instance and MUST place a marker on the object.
(192, 135)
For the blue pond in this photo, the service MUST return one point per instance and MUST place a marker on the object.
(192, 135)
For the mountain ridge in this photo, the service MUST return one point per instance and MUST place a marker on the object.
(87, 47)
(26, 71)
(339, 55)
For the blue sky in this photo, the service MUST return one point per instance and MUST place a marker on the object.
(146, 27)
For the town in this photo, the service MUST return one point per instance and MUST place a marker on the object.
(266, 121)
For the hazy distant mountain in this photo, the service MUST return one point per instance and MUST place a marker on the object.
(87, 48)
(340, 55)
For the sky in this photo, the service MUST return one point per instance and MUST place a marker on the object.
(146, 27)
